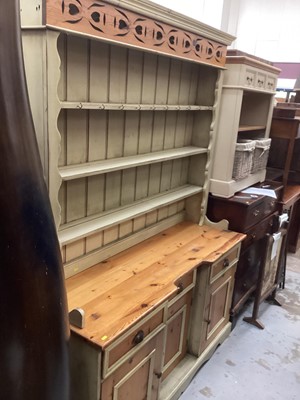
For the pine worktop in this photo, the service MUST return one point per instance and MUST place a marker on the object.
(118, 292)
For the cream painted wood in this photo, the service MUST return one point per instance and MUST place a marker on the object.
(129, 161)
(245, 113)
(54, 136)
(31, 12)
(36, 76)
(85, 361)
(87, 226)
(97, 142)
(180, 377)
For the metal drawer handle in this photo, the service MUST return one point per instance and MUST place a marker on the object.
(139, 337)
(256, 212)
(249, 79)
(226, 263)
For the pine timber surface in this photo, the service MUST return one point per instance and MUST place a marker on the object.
(118, 292)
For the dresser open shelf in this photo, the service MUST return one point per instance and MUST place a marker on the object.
(245, 113)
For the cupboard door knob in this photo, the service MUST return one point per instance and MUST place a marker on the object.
(139, 337)
(208, 321)
(158, 374)
(255, 213)
(226, 263)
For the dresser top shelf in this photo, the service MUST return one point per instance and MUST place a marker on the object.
(120, 291)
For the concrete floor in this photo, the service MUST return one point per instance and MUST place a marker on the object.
(254, 364)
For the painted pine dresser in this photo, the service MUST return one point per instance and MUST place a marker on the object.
(125, 98)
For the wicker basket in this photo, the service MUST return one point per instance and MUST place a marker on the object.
(243, 159)
(260, 155)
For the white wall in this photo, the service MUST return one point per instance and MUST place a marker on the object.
(269, 29)
(207, 11)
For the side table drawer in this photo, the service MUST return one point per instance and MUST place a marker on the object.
(123, 347)
(260, 230)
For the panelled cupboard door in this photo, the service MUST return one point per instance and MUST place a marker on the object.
(138, 377)
(177, 329)
(218, 302)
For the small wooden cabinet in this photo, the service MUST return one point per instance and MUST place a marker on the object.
(245, 113)
(256, 217)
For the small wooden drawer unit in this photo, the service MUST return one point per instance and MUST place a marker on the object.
(243, 210)
(255, 216)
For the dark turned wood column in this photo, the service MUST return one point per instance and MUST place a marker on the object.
(34, 329)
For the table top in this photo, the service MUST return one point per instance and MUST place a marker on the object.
(291, 194)
(120, 291)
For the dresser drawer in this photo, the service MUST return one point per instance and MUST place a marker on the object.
(260, 82)
(219, 267)
(132, 340)
(271, 83)
(184, 284)
(249, 78)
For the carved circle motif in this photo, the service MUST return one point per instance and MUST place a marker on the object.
(112, 22)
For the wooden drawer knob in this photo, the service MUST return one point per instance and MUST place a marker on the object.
(180, 287)
(226, 263)
(139, 337)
